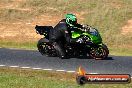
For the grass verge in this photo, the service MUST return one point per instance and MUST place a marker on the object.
(20, 45)
(120, 51)
(27, 78)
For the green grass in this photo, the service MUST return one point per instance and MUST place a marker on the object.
(21, 45)
(13, 15)
(120, 51)
(27, 78)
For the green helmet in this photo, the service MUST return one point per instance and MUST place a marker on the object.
(71, 19)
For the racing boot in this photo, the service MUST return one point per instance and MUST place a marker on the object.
(60, 50)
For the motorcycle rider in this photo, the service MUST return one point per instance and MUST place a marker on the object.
(61, 34)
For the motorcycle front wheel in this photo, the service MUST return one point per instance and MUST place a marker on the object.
(99, 53)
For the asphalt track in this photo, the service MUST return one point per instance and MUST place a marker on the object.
(33, 59)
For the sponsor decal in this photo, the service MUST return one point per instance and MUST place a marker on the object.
(82, 77)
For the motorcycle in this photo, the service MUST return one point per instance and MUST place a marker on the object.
(89, 43)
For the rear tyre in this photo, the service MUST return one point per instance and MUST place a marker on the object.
(45, 48)
(99, 53)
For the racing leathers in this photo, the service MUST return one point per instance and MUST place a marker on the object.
(61, 34)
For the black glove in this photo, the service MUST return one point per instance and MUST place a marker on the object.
(86, 28)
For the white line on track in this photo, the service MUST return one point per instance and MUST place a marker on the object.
(61, 70)
(37, 68)
(2, 65)
(14, 66)
(24, 67)
(43, 69)
(47, 69)
(70, 71)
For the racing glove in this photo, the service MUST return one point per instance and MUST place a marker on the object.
(85, 28)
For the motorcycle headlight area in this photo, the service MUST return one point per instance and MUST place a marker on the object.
(94, 32)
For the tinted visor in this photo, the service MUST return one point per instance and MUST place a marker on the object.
(73, 22)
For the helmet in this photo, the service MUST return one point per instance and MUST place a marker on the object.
(71, 19)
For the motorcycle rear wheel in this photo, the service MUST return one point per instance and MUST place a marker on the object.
(45, 48)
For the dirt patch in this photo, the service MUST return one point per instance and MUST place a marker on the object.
(80, 15)
(127, 29)
(117, 5)
(14, 5)
(114, 4)
(23, 30)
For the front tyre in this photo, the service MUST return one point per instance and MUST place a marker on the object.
(99, 53)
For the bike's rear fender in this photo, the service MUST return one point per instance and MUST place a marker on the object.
(43, 30)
